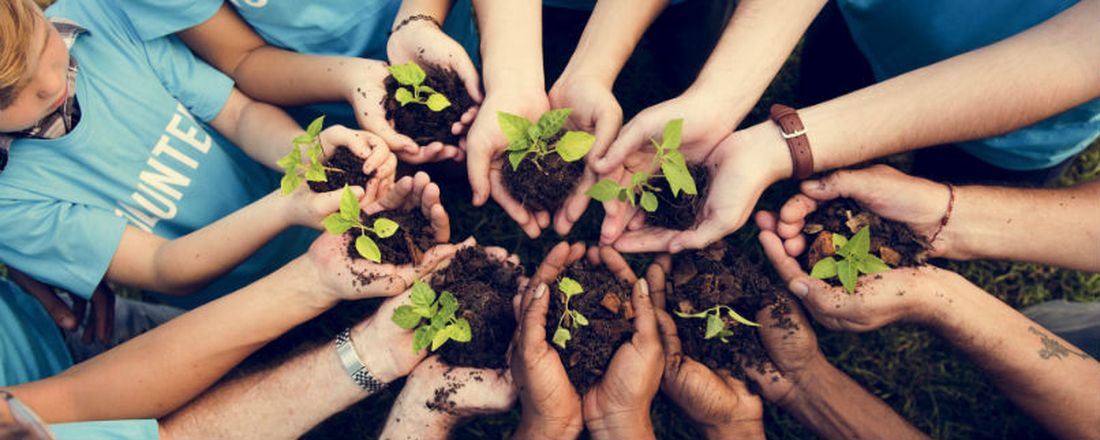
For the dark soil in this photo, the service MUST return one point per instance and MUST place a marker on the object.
(680, 213)
(484, 289)
(419, 122)
(412, 239)
(545, 188)
(719, 275)
(892, 241)
(606, 304)
(351, 173)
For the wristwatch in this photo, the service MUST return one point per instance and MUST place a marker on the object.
(354, 366)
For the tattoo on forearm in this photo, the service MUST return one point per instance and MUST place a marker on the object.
(1052, 348)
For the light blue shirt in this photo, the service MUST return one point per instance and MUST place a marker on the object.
(141, 155)
(31, 348)
(898, 36)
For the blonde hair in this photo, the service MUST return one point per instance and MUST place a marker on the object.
(17, 20)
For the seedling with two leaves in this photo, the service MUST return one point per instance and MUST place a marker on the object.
(570, 288)
(340, 222)
(674, 170)
(717, 326)
(855, 259)
(295, 170)
(410, 74)
(433, 317)
(526, 138)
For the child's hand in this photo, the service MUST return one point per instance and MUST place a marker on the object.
(377, 157)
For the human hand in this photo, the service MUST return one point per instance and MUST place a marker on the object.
(99, 325)
(412, 192)
(485, 145)
(595, 110)
(916, 202)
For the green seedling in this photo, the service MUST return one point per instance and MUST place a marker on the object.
(340, 222)
(295, 170)
(855, 259)
(570, 288)
(410, 74)
(717, 327)
(433, 317)
(674, 170)
(526, 138)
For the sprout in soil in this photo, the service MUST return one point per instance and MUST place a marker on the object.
(717, 326)
(295, 170)
(855, 258)
(439, 312)
(340, 222)
(410, 74)
(640, 191)
(525, 138)
(570, 288)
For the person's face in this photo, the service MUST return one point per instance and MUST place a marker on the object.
(45, 85)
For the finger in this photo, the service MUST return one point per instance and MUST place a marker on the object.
(618, 265)
(787, 267)
(655, 276)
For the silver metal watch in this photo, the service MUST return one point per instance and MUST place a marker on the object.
(354, 366)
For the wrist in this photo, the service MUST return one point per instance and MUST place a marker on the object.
(631, 424)
(539, 428)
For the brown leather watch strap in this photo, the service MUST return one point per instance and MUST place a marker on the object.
(790, 125)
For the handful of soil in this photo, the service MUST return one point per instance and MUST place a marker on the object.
(414, 237)
(606, 304)
(892, 241)
(484, 289)
(680, 213)
(542, 187)
(419, 122)
(718, 275)
(351, 172)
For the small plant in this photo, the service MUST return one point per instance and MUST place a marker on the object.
(441, 325)
(410, 74)
(717, 327)
(673, 169)
(295, 170)
(855, 258)
(570, 288)
(525, 138)
(340, 222)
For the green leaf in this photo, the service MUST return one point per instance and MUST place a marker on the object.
(671, 138)
(422, 294)
(403, 96)
(715, 325)
(649, 201)
(847, 274)
(839, 241)
(460, 330)
(437, 102)
(824, 269)
(677, 174)
(551, 122)
(422, 338)
(860, 243)
(570, 287)
(604, 190)
(869, 264)
(405, 317)
(578, 318)
(741, 319)
(574, 145)
(292, 159)
(349, 205)
(289, 183)
(514, 127)
(561, 336)
(315, 127)
(408, 74)
(368, 248)
(448, 305)
(384, 227)
(441, 337)
(516, 157)
(336, 224)
(314, 173)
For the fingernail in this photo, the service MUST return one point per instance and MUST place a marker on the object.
(644, 291)
(540, 291)
(799, 288)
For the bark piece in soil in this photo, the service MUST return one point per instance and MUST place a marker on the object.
(680, 213)
(545, 188)
(412, 239)
(588, 354)
(418, 121)
(484, 289)
(351, 175)
(892, 241)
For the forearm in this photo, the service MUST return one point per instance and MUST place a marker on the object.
(1044, 375)
(511, 44)
(609, 38)
(162, 369)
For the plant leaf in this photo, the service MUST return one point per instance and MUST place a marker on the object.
(604, 190)
(824, 269)
(460, 330)
(349, 205)
(715, 325)
(869, 264)
(673, 130)
(847, 274)
(409, 74)
(514, 127)
(403, 96)
(649, 201)
(405, 317)
(441, 337)
(550, 123)
(741, 319)
(448, 305)
(336, 224)
(516, 157)
(384, 227)
(860, 243)
(289, 182)
(422, 294)
(422, 338)
(839, 241)
(561, 336)
(368, 248)
(569, 287)
(437, 102)
(578, 318)
(677, 174)
(315, 127)
(574, 145)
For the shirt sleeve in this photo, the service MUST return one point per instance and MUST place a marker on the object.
(63, 244)
(158, 18)
(141, 429)
(197, 85)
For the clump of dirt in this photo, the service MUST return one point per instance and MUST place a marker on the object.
(891, 241)
(542, 187)
(680, 213)
(414, 237)
(606, 304)
(351, 172)
(418, 121)
(484, 289)
(718, 275)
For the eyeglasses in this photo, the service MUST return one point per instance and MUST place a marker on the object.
(27, 423)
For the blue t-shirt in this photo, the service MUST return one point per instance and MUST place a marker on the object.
(898, 36)
(141, 155)
(31, 348)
